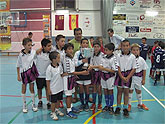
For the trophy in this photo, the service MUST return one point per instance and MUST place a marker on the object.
(86, 53)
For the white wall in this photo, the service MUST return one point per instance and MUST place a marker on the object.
(86, 7)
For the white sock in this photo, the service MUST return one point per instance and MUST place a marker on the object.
(130, 98)
(24, 100)
(33, 98)
(68, 110)
(139, 98)
(71, 105)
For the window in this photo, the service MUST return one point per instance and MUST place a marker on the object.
(65, 4)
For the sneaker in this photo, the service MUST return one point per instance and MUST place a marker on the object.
(111, 111)
(24, 110)
(71, 115)
(40, 104)
(86, 107)
(75, 110)
(59, 113)
(81, 107)
(93, 107)
(34, 108)
(105, 109)
(54, 116)
(49, 106)
(143, 107)
(125, 112)
(129, 107)
(61, 104)
(99, 107)
(117, 111)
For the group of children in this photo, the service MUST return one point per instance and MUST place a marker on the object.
(59, 71)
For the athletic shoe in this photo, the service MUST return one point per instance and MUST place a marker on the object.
(99, 107)
(143, 107)
(105, 109)
(34, 108)
(75, 110)
(111, 111)
(59, 113)
(24, 110)
(49, 106)
(40, 104)
(86, 107)
(61, 104)
(117, 111)
(93, 107)
(71, 114)
(125, 112)
(54, 116)
(81, 107)
(129, 107)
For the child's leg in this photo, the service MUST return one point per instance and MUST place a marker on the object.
(156, 77)
(164, 76)
(130, 96)
(99, 94)
(47, 95)
(94, 94)
(81, 87)
(111, 97)
(53, 107)
(31, 87)
(68, 103)
(39, 94)
(126, 96)
(119, 96)
(106, 97)
(23, 95)
(86, 94)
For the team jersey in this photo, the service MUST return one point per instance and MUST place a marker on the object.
(53, 74)
(159, 58)
(42, 62)
(144, 48)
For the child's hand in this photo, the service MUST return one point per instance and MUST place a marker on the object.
(85, 73)
(39, 51)
(127, 79)
(19, 78)
(90, 67)
(124, 79)
(143, 82)
(64, 74)
(85, 60)
(100, 67)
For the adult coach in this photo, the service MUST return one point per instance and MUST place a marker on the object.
(115, 39)
(77, 39)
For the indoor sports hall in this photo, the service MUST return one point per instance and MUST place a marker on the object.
(132, 20)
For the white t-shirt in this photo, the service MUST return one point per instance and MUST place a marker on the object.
(25, 61)
(126, 62)
(110, 63)
(97, 59)
(61, 52)
(42, 63)
(54, 75)
(141, 65)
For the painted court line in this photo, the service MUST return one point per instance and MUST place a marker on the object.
(153, 97)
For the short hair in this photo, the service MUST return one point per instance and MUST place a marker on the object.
(91, 38)
(44, 42)
(156, 42)
(135, 45)
(124, 41)
(84, 39)
(53, 55)
(96, 42)
(77, 29)
(110, 46)
(58, 37)
(26, 40)
(161, 44)
(68, 45)
(110, 30)
(30, 33)
(144, 38)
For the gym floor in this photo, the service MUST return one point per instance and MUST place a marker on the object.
(11, 103)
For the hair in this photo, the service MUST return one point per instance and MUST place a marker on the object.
(135, 45)
(44, 42)
(83, 39)
(96, 42)
(30, 33)
(161, 44)
(110, 46)
(156, 42)
(124, 41)
(77, 29)
(110, 30)
(26, 40)
(91, 38)
(144, 38)
(59, 37)
(68, 45)
(53, 55)
(98, 38)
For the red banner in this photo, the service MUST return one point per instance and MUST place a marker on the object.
(59, 22)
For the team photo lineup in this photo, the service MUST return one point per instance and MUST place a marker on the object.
(86, 71)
